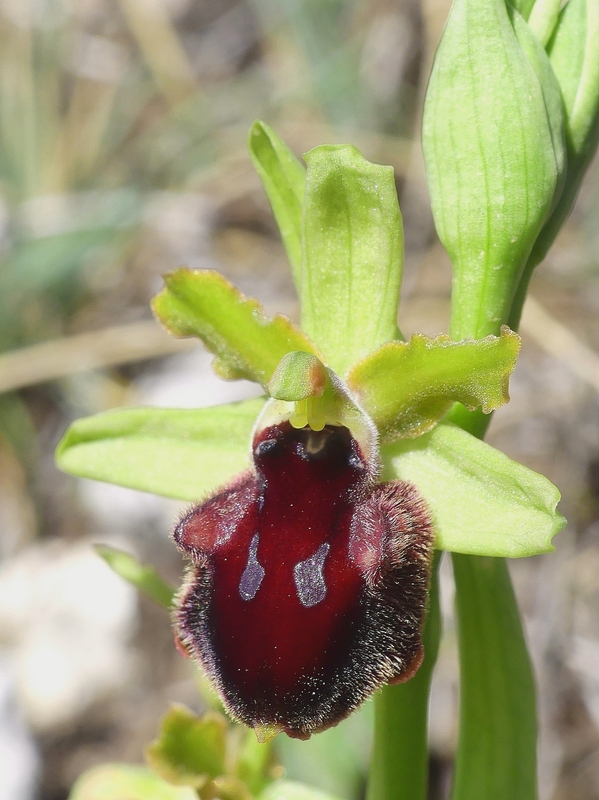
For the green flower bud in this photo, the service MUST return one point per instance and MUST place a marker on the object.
(494, 153)
(574, 54)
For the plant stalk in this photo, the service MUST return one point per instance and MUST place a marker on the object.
(399, 768)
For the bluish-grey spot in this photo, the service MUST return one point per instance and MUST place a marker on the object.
(309, 579)
(252, 574)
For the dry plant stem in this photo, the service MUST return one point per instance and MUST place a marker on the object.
(108, 347)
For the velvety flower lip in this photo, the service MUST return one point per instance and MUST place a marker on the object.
(308, 581)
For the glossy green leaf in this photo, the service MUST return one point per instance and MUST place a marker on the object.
(181, 453)
(246, 343)
(143, 576)
(406, 387)
(496, 754)
(491, 161)
(126, 782)
(190, 750)
(482, 502)
(283, 178)
(289, 790)
(353, 254)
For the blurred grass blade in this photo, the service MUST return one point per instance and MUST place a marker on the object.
(181, 453)
(161, 47)
(482, 502)
(353, 254)
(496, 756)
(143, 576)
(283, 178)
(246, 343)
(406, 387)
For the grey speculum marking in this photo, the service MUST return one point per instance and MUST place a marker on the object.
(252, 574)
(309, 578)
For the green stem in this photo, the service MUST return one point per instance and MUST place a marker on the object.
(496, 754)
(399, 768)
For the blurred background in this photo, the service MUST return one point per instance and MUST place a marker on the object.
(122, 155)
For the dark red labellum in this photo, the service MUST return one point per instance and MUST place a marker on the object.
(308, 583)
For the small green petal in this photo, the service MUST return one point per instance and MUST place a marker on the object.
(353, 254)
(482, 502)
(283, 178)
(190, 750)
(181, 453)
(247, 344)
(408, 387)
(143, 576)
(298, 376)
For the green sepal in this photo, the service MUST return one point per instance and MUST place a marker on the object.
(482, 502)
(119, 781)
(143, 576)
(180, 453)
(247, 344)
(407, 387)
(190, 750)
(492, 160)
(353, 254)
(283, 178)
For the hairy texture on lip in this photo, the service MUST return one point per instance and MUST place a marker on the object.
(308, 583)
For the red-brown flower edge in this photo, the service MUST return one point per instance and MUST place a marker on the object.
(308, 582)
